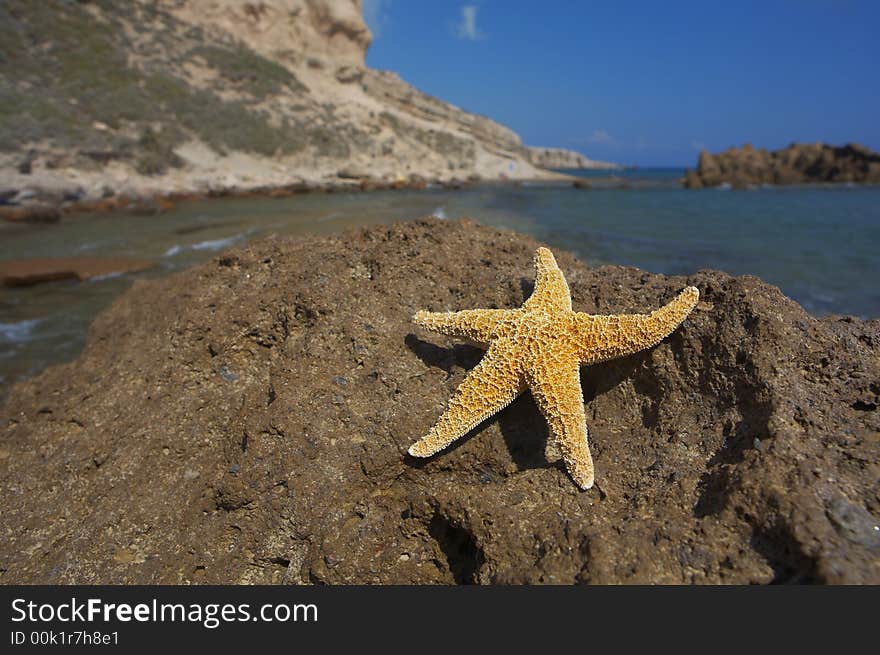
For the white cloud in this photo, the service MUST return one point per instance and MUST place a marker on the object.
(601, 136)
(376, 15)
(467, 28)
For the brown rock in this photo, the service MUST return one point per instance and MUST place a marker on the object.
(151, 206)
(25, 272)
(247, 421)
(31, 214)
(796, 164)
(692, 180)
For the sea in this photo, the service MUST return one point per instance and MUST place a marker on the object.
(819, 244)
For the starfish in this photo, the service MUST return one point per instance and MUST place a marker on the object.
(541, 346)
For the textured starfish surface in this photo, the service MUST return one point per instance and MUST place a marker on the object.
(541, 346)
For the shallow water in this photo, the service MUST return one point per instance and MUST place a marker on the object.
(818, 244)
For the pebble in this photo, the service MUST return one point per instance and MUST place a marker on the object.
(226, 374)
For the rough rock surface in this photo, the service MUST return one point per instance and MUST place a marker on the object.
(248, 420)
(190, 96)
(796, 164)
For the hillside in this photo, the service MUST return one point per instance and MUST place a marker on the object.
(100, 98)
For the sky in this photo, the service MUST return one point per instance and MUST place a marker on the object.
(648, 83)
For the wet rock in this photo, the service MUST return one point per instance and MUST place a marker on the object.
(34, 213)
(26, 272)
(683, 494)
(151, 206)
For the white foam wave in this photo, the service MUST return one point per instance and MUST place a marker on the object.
(217, 244)
(211, 244)
(19, 331)
(106, 276)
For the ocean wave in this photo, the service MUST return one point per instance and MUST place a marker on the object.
(439, 213)
(105, 276)
(211, 244)
(19, 331)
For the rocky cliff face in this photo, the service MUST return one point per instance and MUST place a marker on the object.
(796, 164)
(562, 158)
(248, 421)
(100, 98)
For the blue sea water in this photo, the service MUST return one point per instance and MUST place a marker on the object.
(819, 244)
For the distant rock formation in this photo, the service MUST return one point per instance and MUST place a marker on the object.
(562, 158)
(796, 164)
(185, 96)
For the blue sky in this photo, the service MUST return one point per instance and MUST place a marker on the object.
(648, 82)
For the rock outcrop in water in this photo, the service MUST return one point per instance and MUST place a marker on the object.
(248, 420)
(177, 97)
(796, 164)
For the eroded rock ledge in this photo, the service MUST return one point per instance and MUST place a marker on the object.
(247, 421)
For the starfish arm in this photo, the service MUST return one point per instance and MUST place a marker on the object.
(601, 338)
(551, 290)
(474, 324)
(556, 387)
(490, 386)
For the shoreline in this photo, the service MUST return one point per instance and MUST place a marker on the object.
(45, 205)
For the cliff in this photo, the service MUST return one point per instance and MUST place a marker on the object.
(815, 163)
(175, 96)
(247, 421)
(562, 158)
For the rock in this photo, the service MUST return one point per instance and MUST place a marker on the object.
(26, 272)
(292, 461)
(151, 206)
(692, 180)
(351, 173)
(796, 164)
(32, 213)
(562, 158)
(855, 523)
(582, 184)
(349, 74)
(26, 195)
